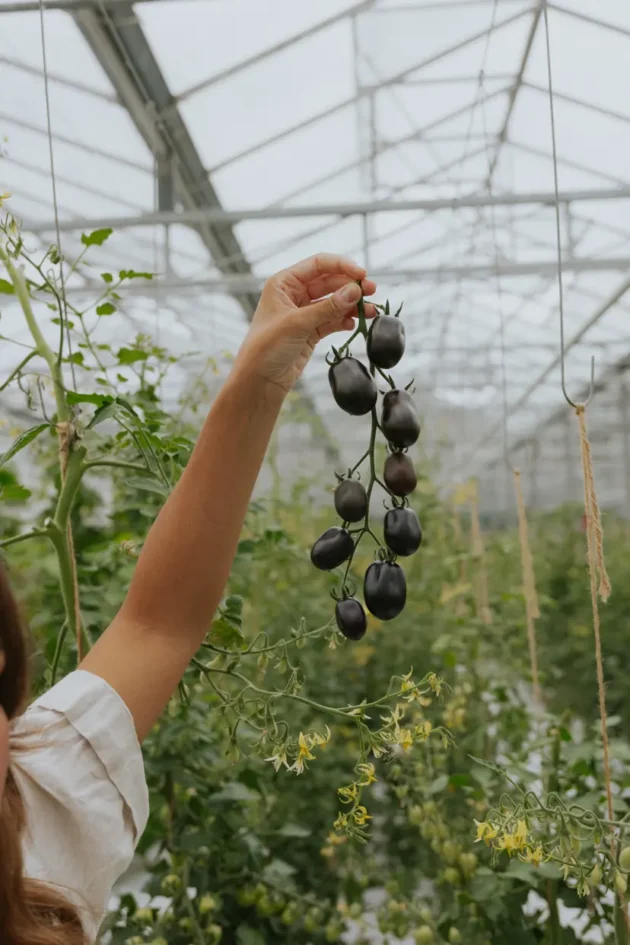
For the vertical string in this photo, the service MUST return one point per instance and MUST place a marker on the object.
(532, 611)
(600, 588)
(478, 550)
(65, 431)
(598, 578)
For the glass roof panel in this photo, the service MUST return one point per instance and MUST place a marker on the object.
(386, 107)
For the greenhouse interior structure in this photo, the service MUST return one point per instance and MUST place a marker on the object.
(459, 772)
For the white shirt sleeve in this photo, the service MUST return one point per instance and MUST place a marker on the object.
(79, 767)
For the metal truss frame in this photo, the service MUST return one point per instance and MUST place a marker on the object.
(187, 194)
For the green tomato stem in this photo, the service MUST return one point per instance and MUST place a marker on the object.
(24, 536)
(43, 349)
(14, 373)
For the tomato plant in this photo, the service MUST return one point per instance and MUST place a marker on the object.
(306, 780)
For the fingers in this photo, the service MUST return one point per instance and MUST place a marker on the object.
(325, 264)
(347, 322)
(327, 284)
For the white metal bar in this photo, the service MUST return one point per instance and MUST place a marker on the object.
(57, 79)
(553, 364)
(272, 50)
(32, 6)
(566, 162)
(513, 96)
(378, 87)
(571, 100)
(458, 79)
(65, 139)
(220, 215)
(418, 134)
(594, 21)
(236, 284)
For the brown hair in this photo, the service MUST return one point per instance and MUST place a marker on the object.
(31, 913)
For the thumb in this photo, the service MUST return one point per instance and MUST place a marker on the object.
(334, 308)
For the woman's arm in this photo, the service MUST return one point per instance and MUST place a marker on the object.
(188, 554)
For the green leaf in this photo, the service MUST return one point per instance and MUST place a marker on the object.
(460, 780)
(148, 485)
(234, 604)
(132, 274)
(233, 791)
(106, 412)
(15, 494)
(107, 277)
(246, 935)
(77, 357)
(294, 830)
(73, 397)
(131, 355)
(96, 237)
(278, 871)
(225, 633)
(485, 885)
(105, 309)
(6, 288)
(523, 871)
(23, 440)
(438, 785)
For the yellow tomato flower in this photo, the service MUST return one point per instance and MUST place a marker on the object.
(341, 823)
(348, 793)
(404, 738)
(304, 755)
(279, 759)
(367, 770)
(424, 729)
(361, 816)
(485, 831)
(317, 739)
(435, 683)
(534, 855)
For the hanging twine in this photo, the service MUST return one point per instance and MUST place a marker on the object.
(65, 433)
(532, 611)
(600, 587)
(483, 602)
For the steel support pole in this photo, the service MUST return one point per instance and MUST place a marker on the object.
(240, 284)
(221, 216)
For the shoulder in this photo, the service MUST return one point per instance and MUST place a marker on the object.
(78, 764)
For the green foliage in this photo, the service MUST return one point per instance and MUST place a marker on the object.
(294, 770)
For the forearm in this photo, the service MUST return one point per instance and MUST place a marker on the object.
(188, 554)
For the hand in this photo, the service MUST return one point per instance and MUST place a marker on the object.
(293, 316)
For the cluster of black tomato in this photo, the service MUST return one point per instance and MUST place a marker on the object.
(354, 390)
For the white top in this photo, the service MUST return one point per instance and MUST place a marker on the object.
(78, 764)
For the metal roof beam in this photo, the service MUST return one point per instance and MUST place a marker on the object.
(217, 215)
(571, 100)
(513, 96)
(365, 92)
(273, 50)
(566, 162)
(593, 20)
(120, 45)
(57, 79)
(73, 143)
(71, 6)
(610, 302)
(243, 284)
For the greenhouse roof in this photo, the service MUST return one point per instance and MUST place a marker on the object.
(224, 139)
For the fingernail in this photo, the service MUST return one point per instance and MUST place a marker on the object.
(349, 294)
